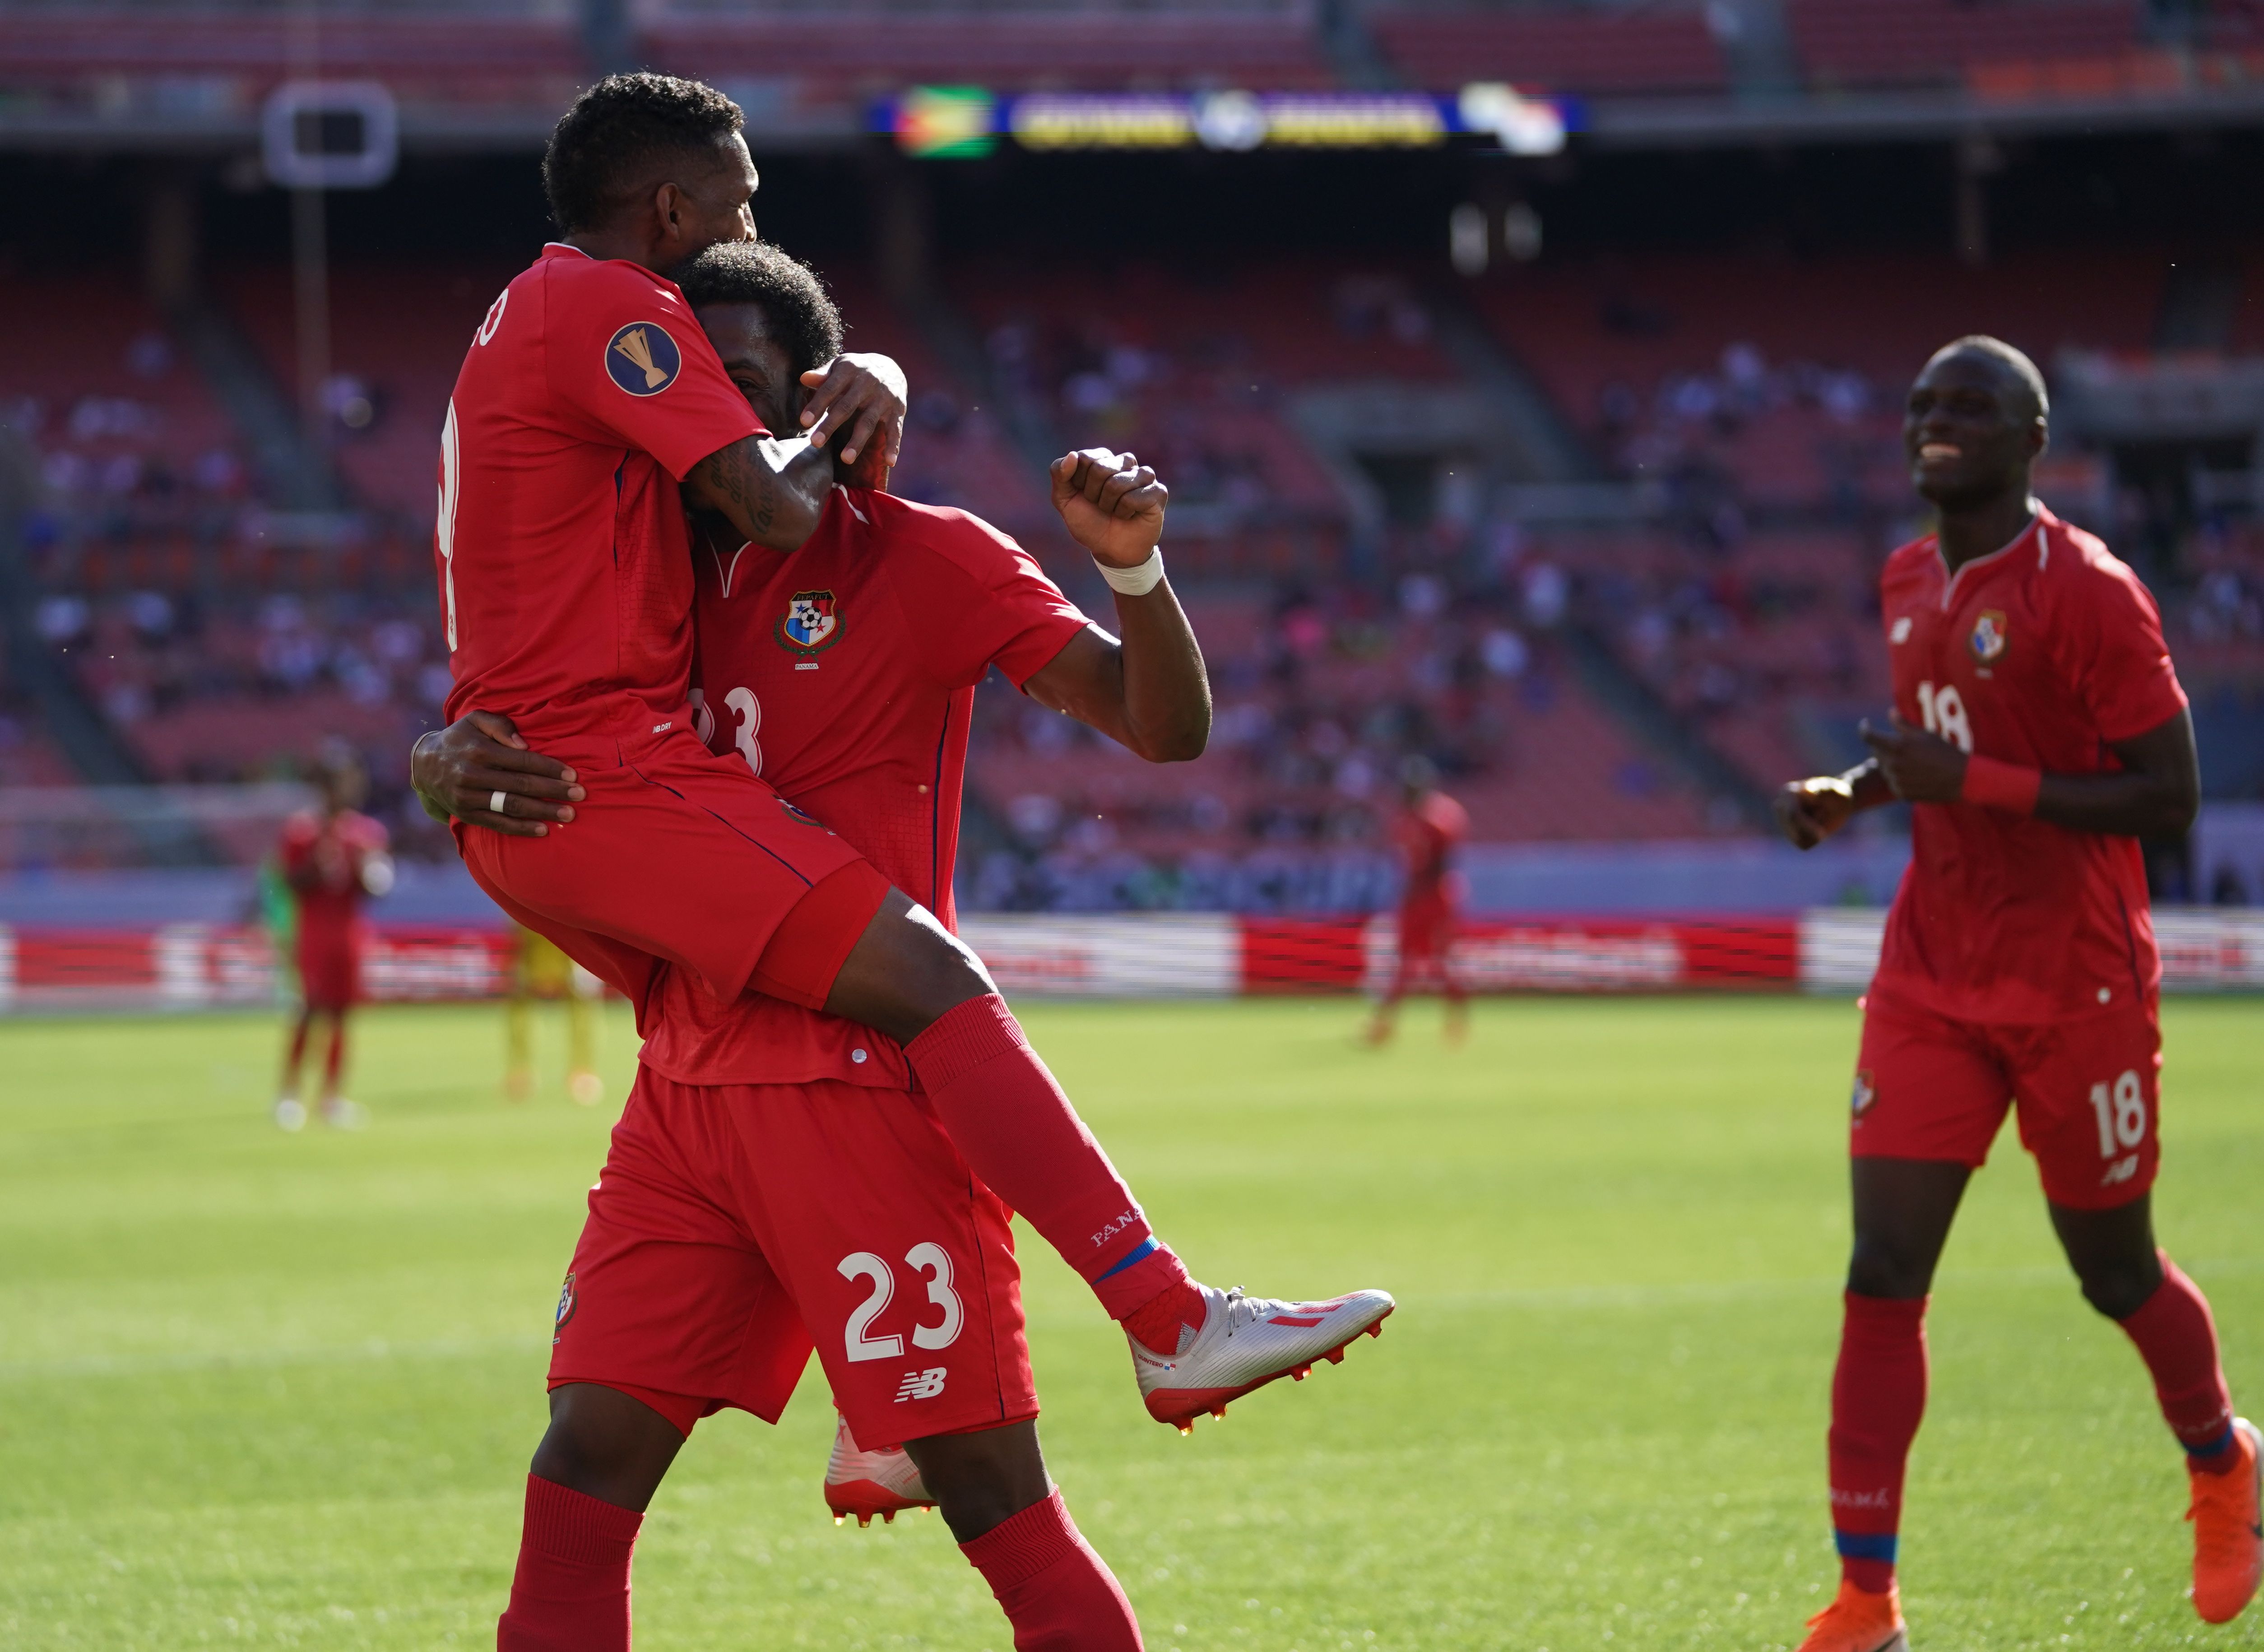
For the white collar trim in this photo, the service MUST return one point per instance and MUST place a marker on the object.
(2035, 525)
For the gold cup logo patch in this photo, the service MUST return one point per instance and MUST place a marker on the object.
(643, 359)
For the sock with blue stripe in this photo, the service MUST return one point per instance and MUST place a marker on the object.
(1878, 1394)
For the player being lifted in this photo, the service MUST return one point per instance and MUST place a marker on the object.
(1430, 827)
(566, 573)
(2039, 730)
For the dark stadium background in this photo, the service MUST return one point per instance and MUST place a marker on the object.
(1593, 526)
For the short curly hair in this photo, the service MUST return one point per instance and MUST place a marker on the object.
(620, 124)
(802, 316)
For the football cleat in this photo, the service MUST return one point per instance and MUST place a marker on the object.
(866, 1483)
(2229, 1529)
(1244, 1343)
(1858, 1620)
(290, 1113)
(341, 1114)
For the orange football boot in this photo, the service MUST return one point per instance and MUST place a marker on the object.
(2229, 1529)
(1858, 1621)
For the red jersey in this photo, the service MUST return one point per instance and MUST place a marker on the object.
(2040, 654)
(565, 567)
(322, 861)
(845, 674)
(1426, 834)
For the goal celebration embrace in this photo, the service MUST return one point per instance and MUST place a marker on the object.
(713, 687)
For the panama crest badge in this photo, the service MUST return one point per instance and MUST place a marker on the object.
(567, 1302)
(1866, 1095)
(810, 624)
(1989, 636)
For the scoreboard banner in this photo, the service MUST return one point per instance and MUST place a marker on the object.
(1118, 955)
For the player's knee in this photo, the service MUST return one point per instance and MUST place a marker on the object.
(604, 1444)
(2122, 1290)
(907, 972)
(980, 1480)
(1881, 1267)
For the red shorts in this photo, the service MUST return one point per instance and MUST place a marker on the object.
(1427, 929)
(330, 967)
(681, 857)
(734, 1224)
(2088, 1091)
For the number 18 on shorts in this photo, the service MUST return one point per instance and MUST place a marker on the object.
(2087, 1093)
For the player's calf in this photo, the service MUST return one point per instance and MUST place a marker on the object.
(1012, 1526)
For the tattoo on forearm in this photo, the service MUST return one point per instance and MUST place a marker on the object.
(747, 484)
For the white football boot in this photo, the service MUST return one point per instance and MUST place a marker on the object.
(866, 1483)
(1244, 1343)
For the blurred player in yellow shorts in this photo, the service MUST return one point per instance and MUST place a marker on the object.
(542, 971)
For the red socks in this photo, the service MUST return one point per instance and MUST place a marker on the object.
(1878, 1394)
(1058, 1594)
(1156, 1321)
(571, 1590)
(334, 1063)
(1018, 1132)
(2178, 1341)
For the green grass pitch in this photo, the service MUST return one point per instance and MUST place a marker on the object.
(278, 1391)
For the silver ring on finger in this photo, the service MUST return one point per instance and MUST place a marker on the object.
(495, 801)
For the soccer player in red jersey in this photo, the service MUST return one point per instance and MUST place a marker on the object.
(843, 1197)
(2039, 731)
(1428, 829)
(331, 858)
(566, 577)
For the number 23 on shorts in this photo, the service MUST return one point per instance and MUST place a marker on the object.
(933, 1263)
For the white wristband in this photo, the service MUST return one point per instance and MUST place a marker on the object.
(1136, 581)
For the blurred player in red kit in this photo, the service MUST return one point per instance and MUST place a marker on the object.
(1429, 828)
(685, 867)
(333, 858)
(2039, 731)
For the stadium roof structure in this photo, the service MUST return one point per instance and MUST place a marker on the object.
(192, 75)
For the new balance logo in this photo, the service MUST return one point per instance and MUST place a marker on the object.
(2121, 1170)
(920, 1385)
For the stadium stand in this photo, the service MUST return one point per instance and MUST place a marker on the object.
(1756, 440)
(1193, 373)
(1941, 42)
(868, 50)
(222, 59)
(398, 331)
(1658, 357)
(1645, 49)
(124, 428)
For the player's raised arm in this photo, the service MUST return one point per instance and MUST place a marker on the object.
(1147, 692)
